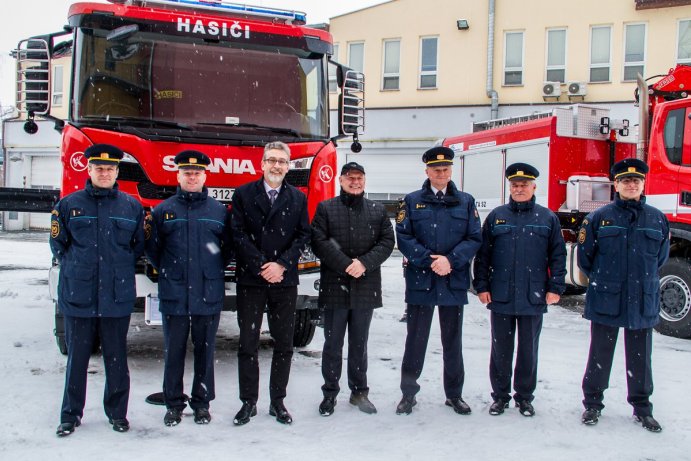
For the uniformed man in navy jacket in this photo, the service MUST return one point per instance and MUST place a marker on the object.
(621, 247)
(189, 243)
(438, 231)
(518, 271)
(97, 235)
(270, 230)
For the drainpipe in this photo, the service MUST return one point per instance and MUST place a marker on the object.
(491, 92)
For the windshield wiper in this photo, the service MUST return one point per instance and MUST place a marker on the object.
(289, 131)
(141, 121)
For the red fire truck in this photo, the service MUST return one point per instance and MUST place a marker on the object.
(574, 147)
(155, 77)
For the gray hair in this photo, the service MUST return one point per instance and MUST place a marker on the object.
(277, 145)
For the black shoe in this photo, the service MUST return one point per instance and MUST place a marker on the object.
(202, 416)
(498, 407)
(525, 408)
(590, 416)
(649, 423)
(248, 410)
(120, 425)
(405, 406)
(279, 410)
(173, 417)
(458, 405)
(326, 408)
(363, 403)
(65, 429)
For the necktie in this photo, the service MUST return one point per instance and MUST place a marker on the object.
(272, 196)
(440, 195)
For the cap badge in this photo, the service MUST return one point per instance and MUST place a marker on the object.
(193, 160)
(632, 169)
(440, 157)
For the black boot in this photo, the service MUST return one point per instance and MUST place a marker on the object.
(405, 406)
(590, 416)
(202, 416)
(458, 405)
(525, 408)
(243, 416)
(498, 407)
(279, 410)
(65, 429)
(326, 408)
(172, 417)
(363, 403)
(649, 423)
(120, 425)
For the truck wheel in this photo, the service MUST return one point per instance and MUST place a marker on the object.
(675, 299)
(59, 330)
(304, 327)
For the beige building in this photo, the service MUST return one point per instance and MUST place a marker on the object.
(432, 68)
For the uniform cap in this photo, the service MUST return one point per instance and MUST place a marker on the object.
(521, 171)
(192, 159)
(438, 156)
(103, 154)
(629, 167)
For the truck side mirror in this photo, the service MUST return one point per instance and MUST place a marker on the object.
(351, 103)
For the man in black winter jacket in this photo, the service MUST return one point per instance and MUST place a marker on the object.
(353, 237)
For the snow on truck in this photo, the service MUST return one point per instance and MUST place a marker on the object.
(574, 148)
(156, 77)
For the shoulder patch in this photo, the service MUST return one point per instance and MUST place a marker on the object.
(585, 222)
(581, 235)
(54, 228)
(55, 213)
(147, 226)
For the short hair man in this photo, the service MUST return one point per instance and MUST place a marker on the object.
(270, 230)
(518, 271)
(189, 244)
(97, 235)
(438, 231)
(621, 247)
(353, 237)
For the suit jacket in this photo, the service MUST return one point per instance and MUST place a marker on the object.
(263, 233)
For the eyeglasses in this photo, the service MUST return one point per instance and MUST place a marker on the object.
(274, 161)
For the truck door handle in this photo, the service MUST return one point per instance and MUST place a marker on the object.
(686, 198)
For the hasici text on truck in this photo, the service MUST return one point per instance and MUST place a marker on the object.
(158, 77)
(574, 148)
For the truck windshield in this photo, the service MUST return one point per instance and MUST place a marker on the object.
(157, 82)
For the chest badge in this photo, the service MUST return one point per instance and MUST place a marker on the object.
(498, 222)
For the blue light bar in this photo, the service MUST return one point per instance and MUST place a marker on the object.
(220, 5)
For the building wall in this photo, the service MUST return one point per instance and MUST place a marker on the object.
(462, 55)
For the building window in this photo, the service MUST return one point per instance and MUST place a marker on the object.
(428, 62)
(392, 65)
(57, 86)
(684, 42)
(634, 51)
(356, 56)
(600, 53)
(333, 82)
(513, 58)
(556, 55)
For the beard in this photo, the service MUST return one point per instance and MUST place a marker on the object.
(275, 178)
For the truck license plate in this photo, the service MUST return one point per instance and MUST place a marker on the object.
(222, 194)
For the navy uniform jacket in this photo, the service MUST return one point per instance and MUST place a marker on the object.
(522, 257)
(263, 233)
(189, 244)
(97, 235)
(621, 247)
(450, 227)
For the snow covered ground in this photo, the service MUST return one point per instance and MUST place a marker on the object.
(32, 373)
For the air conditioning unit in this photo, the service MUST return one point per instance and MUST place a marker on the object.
(551, 89)
(577, 89)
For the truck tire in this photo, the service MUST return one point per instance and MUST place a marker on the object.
(675, 298)
(59, 332)
(304, 327)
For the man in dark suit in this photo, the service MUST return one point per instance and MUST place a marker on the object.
(270, 229)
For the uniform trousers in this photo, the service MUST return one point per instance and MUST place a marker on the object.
(80, 335)
(176, 330)
(504, 329)
(638, 345)
(357, 321)
(419, 323)
(280, 303)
